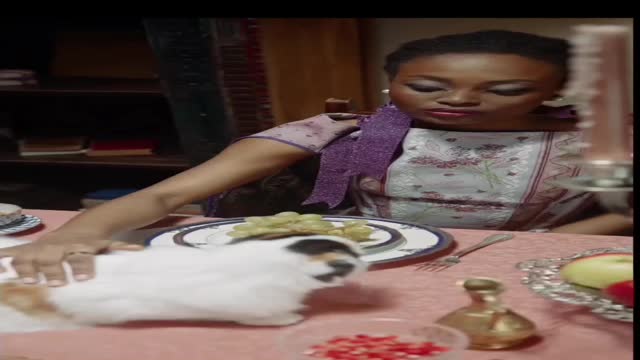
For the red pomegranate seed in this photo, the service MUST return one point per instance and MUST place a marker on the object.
(373, 355)
(418, 352)
(387, 355)
(367, 347)
(338, 340)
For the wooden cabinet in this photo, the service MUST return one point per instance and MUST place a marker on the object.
(310, 60)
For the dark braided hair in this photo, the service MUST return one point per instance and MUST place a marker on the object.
(547, 49)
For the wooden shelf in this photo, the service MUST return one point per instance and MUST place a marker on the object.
(177, 162)
(87, 86)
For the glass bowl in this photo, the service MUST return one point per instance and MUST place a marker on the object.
(297, 341)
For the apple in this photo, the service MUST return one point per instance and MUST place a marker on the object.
(621, 292)
(599, 271)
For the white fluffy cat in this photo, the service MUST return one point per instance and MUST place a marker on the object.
(251, 282)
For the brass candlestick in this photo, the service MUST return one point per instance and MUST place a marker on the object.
(489, 325)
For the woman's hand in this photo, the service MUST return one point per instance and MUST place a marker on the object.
(46, 256)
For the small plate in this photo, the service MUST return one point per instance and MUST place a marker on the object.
(26, 222)
(543, 278)
(392, 240)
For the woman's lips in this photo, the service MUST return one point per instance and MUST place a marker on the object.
(449, 114)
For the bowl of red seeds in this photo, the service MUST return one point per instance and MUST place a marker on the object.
(375, 339)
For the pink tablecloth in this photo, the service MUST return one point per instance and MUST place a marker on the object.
(567, 331)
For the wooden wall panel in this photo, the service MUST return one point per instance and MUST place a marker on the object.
(310, 60)
(103, 54)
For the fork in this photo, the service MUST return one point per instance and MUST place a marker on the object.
(441, 264)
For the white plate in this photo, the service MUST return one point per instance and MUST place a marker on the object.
(26, 222)
(393, 240)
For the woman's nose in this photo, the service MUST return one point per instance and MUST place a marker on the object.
(459, 99)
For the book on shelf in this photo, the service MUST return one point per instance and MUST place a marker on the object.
(121, 147)
(17, 77)
(51, 146)
(52, 153)
(7, 82)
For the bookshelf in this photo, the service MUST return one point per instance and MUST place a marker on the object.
(96, 79)
(102, 74)
(87, 87)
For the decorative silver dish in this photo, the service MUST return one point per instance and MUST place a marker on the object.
(543, 278)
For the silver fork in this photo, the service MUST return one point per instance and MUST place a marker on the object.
(441, 264)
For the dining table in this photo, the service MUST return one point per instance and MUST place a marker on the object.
(392, 291)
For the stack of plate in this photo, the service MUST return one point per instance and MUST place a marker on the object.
(12, 220)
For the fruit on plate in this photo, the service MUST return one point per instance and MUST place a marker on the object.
(621, 292)
(599, 271)
(292, 222)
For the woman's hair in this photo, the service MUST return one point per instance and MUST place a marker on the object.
(551, 50)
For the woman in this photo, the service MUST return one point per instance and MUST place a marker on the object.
(467, 143)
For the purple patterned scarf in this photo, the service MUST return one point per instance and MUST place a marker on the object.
(368, 155)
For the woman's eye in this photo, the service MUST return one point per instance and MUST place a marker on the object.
(510, 92)
(425, 88)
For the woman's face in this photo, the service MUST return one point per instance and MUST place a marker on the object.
(474, 91)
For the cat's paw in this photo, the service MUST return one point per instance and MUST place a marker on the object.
(279, 320)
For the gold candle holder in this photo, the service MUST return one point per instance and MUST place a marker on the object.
(487, 322)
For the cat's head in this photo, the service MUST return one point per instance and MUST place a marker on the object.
(328, 259)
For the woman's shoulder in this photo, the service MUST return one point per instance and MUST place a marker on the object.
(311, 134)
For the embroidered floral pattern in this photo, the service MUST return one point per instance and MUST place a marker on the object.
(476, 181)
(482, 160)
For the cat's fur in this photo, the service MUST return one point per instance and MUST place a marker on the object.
(251, 282)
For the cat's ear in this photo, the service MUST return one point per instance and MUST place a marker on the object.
(339, 257)
(323, 246)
